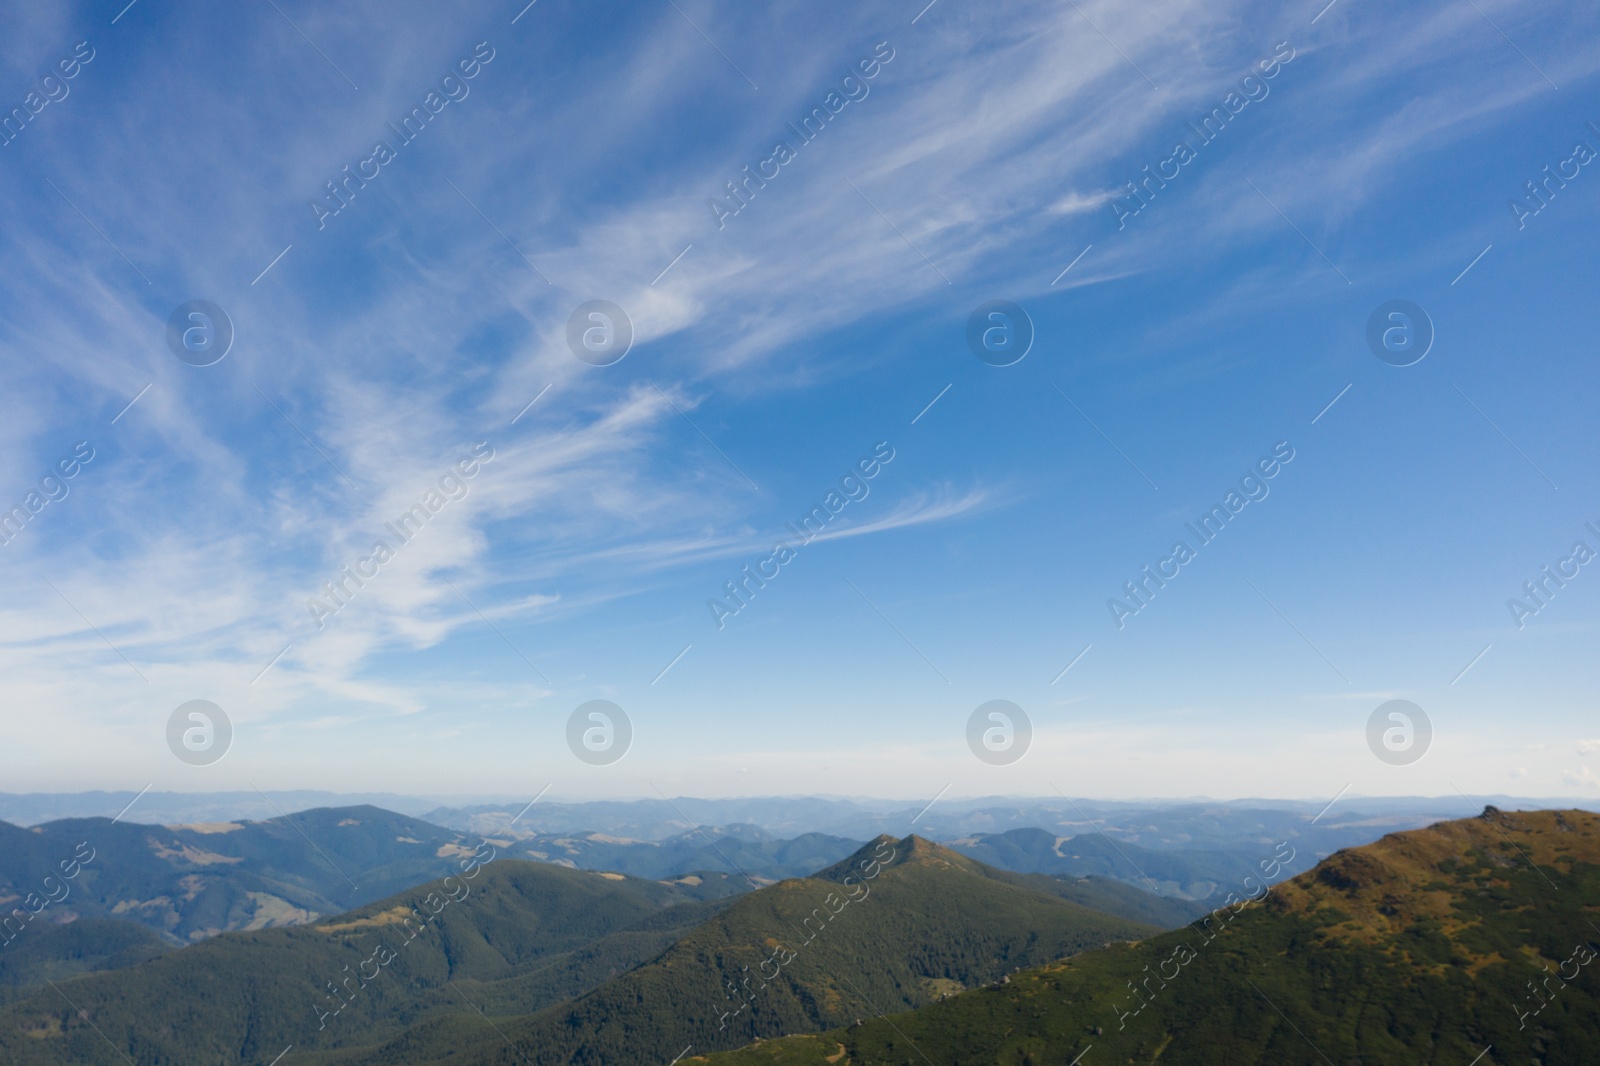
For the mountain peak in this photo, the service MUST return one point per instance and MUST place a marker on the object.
(884, 851)
(915, 849)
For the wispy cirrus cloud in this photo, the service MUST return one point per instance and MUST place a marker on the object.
(920, 509)
(412, 327)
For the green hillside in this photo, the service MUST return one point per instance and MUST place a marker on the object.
(1428, 946)
(56, 952)
(897, 925)
(521, 936)
(1122, 899)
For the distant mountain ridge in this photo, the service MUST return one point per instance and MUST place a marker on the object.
(177, 808)
(1187, 873)
(1156, 824)
(191, 882)
(746, 849)
(1197, 823)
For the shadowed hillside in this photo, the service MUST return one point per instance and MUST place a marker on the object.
(511, 937)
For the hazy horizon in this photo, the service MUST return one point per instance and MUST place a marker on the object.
(770, 812)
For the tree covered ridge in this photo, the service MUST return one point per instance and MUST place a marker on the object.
(1426, 946)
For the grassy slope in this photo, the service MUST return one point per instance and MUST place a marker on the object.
(1112, 897)
(529, 935)
(1416, 949)
(932, 922)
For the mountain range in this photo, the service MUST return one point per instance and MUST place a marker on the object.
(567, 964)
(1465, 938)
(900, 922)
(189, 882)
(1467, 941)
(1187, 873)
(1196, 823)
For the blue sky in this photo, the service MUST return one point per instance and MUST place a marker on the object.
(376, 346)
